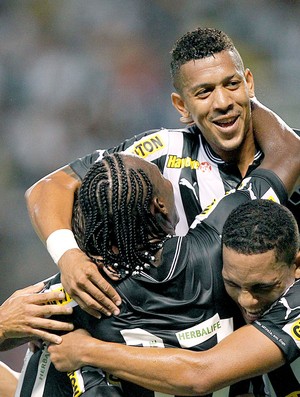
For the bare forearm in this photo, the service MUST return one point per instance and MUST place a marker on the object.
(50, 202)
(163, 370)
(174, 371)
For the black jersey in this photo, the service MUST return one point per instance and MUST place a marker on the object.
(182, 303)
(281, 323)
(184, 157)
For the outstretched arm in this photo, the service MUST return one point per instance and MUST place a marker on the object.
(50, 204)
(25, 316)
(173, 371)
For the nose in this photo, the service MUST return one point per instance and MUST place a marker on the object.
(222, 99)
(247, 300)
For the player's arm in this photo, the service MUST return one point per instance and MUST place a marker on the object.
(53, 194)
(8, 381)
(174, 371)
(50, 204)
(280, 144)
(25, 316)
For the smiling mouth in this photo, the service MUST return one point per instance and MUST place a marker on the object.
(226, 122)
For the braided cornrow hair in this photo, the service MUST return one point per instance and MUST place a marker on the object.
(113, 209)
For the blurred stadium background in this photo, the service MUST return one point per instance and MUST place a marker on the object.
(76, 75)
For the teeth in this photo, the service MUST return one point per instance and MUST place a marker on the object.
(226, 122)
(253, 314)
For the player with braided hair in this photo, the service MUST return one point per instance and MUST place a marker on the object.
(124, 213)
(112, 217)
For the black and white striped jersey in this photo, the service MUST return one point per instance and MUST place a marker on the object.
(182, 304)
(198, 175)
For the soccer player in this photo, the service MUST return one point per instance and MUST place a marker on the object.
(213, 95)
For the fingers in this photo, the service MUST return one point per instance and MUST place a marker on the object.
(48, 337)
(53, 325)
(37, 304)
(102, 291)
(89, 305)
(47, 297)
(64, 356)
(107, 297)
(88, 288)
(32, 289)
(87, 302)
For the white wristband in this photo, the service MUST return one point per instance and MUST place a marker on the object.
(59, 242)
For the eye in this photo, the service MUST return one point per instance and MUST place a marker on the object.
(203, 93)
(262, 289)
(230, 284)
(233, 84)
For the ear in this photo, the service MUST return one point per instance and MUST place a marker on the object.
(158, 206)
(297, 262)
(250, 82)
(179, 104)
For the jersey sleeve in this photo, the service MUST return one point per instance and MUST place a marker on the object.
(281, 323)
(150, 145)
(261, 184)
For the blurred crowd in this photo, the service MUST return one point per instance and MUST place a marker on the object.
(84, 74)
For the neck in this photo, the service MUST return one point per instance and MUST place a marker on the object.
(243, 156)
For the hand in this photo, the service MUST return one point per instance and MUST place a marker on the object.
(83, 281)
(67, 357)
(26, 315)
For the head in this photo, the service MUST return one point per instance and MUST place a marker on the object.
(124, 211)
(260, 244)
(213, 89)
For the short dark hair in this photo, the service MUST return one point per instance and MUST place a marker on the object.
(198, 44)
(113, 208)
(259, 226)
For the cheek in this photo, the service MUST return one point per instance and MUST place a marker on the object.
(200, 111)
(232, 292)
(268, 299)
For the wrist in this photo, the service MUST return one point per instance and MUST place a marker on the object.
(59, 242)
(92, 352)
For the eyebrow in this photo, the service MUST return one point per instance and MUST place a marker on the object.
(206, 85)
(252, 286)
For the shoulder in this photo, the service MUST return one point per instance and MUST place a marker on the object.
(281, 322)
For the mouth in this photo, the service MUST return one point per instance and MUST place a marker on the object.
(226, 123)
(251, 316)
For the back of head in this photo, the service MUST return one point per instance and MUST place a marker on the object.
(198, 44)
(259, 226)
(111, 216)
